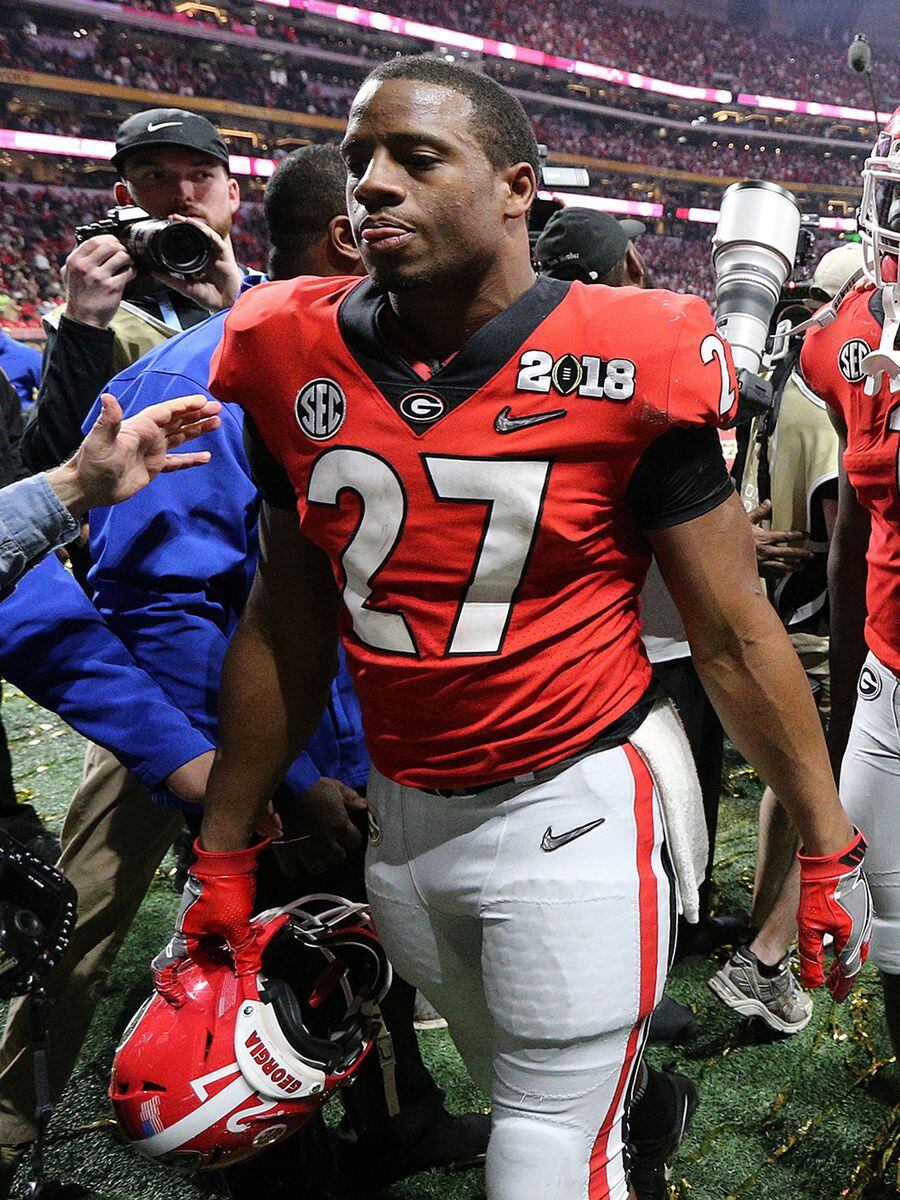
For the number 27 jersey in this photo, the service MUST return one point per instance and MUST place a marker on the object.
(478, 522)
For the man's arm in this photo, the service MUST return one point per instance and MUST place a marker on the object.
(749, 668)
(847, 570)
(55, 646)
(275, 679)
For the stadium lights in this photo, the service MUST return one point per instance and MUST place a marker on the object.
(65, 146)
(367, 18)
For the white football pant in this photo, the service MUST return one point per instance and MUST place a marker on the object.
(870, 792)
(537, 918)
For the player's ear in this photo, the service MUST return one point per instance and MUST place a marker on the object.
(342, 249)
(520, 189)
(634, 266)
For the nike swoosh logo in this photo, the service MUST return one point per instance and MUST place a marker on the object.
(505, 422)
(551, 841)
(163, 125)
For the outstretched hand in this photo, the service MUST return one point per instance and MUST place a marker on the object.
(778, 551)
(118, 458)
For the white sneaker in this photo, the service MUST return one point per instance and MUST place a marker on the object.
(778, 1000)
(426, 1016)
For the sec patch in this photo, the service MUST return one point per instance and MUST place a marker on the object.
(850, 359)
(320, 408)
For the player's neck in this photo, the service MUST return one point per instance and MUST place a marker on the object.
(440, 320)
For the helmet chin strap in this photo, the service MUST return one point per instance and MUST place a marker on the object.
(886, 359)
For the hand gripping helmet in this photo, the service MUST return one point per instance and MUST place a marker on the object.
(879, 212)
(243, 1061)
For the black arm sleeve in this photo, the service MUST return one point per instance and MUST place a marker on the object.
(11, 467)
(269, 476)
(78, 363)
(680, 476)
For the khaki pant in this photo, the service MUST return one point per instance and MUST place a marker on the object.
(113, 840)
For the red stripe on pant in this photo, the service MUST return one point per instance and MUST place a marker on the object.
(648, 888)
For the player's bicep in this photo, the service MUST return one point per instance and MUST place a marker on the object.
(294, 595)
(709, 566)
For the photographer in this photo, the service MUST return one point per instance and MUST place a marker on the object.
(173, 165)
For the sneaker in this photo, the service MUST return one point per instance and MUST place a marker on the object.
(778, 1000)
(426, 1016)
(452, 1142)
(650, 1158)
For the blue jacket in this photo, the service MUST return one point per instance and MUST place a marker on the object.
(55, 646)
(173, 565)
(22, 366)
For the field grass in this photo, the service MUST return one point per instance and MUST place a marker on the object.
(806, 1118)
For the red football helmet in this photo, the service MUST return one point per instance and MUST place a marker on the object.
(878, 217)
(241, 1062)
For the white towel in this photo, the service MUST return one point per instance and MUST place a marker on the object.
(663, 745)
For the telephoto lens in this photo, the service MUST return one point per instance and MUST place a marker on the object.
(753, 255)
(176, 247)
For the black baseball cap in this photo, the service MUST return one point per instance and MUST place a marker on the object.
(580, 243)
(168, 127)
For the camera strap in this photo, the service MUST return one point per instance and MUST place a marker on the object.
(167, 311)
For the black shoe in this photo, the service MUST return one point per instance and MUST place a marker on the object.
(671, 1022)
(727, 929)
(650, 1158)
(453, 1142)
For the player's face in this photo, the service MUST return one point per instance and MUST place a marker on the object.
(425, 202)
(187, 182)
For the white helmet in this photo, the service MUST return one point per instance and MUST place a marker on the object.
(879, 212)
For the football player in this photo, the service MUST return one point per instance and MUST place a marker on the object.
(853, 363)
(481, 463)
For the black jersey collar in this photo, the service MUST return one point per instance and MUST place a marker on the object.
(482, 356)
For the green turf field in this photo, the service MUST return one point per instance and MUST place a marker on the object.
(807, 1118)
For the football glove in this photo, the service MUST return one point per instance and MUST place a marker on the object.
(834, 899)
(217, 903)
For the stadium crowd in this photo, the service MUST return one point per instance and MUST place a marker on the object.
(696, 50)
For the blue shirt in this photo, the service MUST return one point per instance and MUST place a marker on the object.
(56, 647)
(173, 565)
(22, 366)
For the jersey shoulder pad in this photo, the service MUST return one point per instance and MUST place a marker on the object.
(702, 384)
(831, 355)
(267, 323)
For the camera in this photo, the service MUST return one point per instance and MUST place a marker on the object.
(753, 254)
(37, 915)
(176, 247)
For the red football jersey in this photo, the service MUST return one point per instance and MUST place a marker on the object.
(476, 521)
(831, 361)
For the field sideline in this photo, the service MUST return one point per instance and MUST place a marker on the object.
(807, 1118)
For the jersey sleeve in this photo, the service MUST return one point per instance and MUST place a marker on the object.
(818, 365)
(680, 476)
(702, 386)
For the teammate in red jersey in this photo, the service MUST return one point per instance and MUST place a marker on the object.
(481, 463)
(853, 363)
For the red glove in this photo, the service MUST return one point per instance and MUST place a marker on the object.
(835, 899)
(217, 902)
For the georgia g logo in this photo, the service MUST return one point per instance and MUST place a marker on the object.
(869, 686)
(320, 409)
